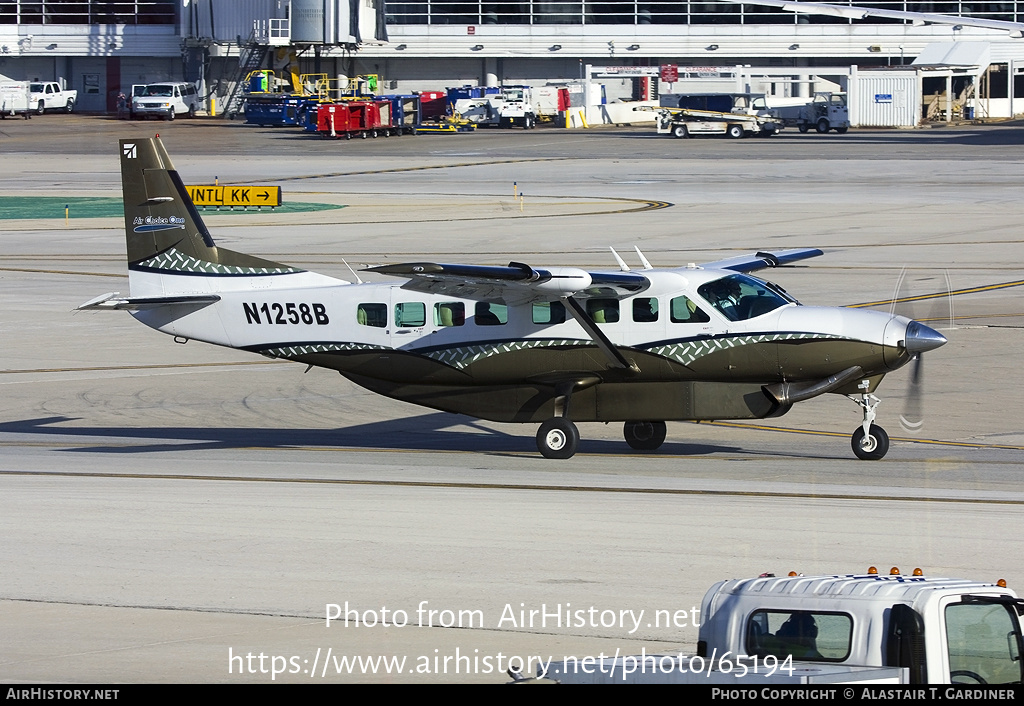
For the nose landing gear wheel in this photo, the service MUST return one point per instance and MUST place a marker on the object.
(871, 446)
(644, 436)
(558, 438)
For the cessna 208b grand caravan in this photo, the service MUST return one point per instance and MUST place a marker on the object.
(552, 346)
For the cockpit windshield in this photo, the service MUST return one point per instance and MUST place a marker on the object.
(740, 297)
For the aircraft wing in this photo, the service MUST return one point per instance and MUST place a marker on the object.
(762, 260)
(517, 283)
(1016, 29)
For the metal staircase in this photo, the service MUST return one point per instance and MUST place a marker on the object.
(251, 57)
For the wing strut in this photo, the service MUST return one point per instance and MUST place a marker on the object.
(606, 346)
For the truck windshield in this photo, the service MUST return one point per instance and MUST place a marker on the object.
(983, 641)
(741, 297)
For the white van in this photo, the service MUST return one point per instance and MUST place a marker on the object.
(164, 100)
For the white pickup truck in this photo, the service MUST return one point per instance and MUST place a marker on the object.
(48, 95)
(899, 629)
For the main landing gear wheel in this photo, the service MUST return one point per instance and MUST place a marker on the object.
(871, 446)
(558, 438)
(644, 436)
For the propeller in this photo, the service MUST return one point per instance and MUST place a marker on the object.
(924, 297)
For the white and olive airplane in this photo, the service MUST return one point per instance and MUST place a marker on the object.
(551, 346)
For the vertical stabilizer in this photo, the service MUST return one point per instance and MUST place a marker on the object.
(164, 231)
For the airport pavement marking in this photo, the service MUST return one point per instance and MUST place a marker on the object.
(465, 485)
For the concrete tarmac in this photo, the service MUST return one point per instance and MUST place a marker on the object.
(170, 513)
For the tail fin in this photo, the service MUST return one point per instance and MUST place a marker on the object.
(164, 231)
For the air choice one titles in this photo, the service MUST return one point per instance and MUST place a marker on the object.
(558, 615)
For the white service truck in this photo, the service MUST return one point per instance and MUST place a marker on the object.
(513, 107)
(49, 95)
(828, 111)
(898, 629)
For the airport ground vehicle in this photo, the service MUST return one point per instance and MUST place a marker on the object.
(731, 115)
(14, 97)
(165, 100)
(828, 111)
(49, 95)
(894, 628)
(357, 118)
(512, 107)
(687, 122)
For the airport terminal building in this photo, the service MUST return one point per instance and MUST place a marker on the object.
(102, 48)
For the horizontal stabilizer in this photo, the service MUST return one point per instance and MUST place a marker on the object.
(762, 260)
(114, 300)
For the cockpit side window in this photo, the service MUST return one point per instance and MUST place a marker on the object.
(740, 297)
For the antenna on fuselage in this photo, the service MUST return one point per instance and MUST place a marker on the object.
(358, 281)
(643, 260)
(622, 263)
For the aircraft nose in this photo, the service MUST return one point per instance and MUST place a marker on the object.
(920, 338)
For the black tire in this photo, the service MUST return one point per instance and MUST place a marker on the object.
(842, 130)
(803, 127)
(170, 114)
(735, 132)
(41, 108)
(644, 436)
(558, 438)
(871, 447)
(70, 106)
(680, 131)
(822, 126)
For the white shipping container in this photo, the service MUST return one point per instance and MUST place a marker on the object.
(885, 99)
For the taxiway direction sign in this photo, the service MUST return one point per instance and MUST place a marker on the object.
(235, 195)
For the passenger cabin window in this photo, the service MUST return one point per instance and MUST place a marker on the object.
(372, 315)
(809, 636)
(410, 315)
(490, 314)
(449, 314)
(603, 311)
(684, 311)
(740, 297)
(645, 309)
(548, 313)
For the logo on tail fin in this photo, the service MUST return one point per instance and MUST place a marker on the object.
(152, 223)
(129, 150)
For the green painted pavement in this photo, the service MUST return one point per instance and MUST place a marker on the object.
(53, 207)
